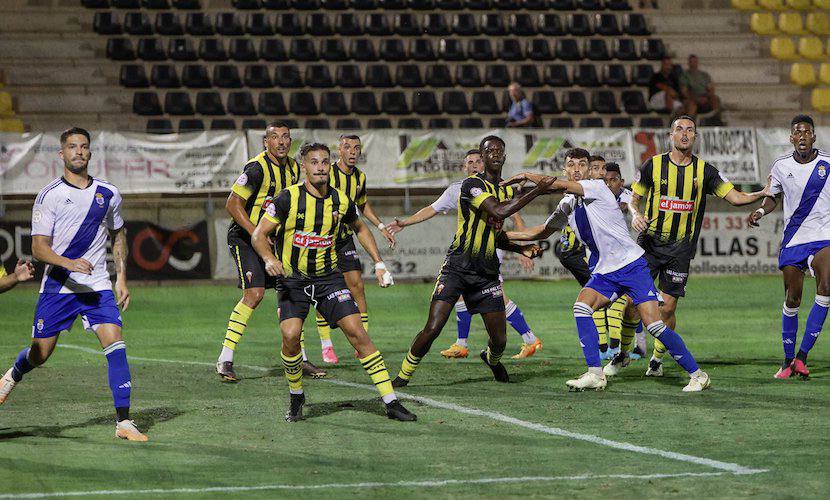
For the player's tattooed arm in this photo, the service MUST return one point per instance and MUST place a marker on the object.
(119, 257)
(261, 243)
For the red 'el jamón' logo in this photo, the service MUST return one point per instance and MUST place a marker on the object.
(310, 240)
(673, 205)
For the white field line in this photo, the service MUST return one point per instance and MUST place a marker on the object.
(554, 431)
(344, 486)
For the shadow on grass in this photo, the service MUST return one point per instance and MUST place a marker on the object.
(144, 419)
(373, 406)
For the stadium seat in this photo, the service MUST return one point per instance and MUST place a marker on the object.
(521, 25)
(633, 102)
(561, 122)
(155, 4)
(96, 4)
(317, 24)
(435, 24)
(379, 123)
(258, 76)
(744, 4)
(410, 123)
(146, 104)
(578, 25)
(591, 5)
(507, 4)
(652, 122)
(289, 25)
(408, 76)
(556, 75)
(811, 47)
(820, 99)
(349, 124)
(527, 75)
(364, 4)
(822, 4)
(597, 50)
(421, 4)
(467, 75)
(272, 49)
(782, 47)
(824, 73)
(302, 103)
(591, 122)
(544, 102)
(791, 23)
(198, 24)
(614, 75)
(133, 76)
(484, 103)
(223, 124)
(567, 50)
(617, 5)
(392, 50)
(241, 103)
(212, 49)
(195, 76)
(242, 49)
(106, 23)
(377, 25)
(187, 4)
(635, 25)
(497, 123)
(348, 76)
(271, 103)
(178, 104)
(585, 75)
(492, 25)
(6, 105)
(191, 125)
(226, 76)
(607, 25)
(574, 102)
(422, 49)
(438, 75)
(137, 23)
(641, 75)
(318, 76)
(772, 4)
(159, 126)
(348, 24)
(479, 49)
(332, 49)
(425, 103)
(439, 123)
(364, 103)
(406, 24)
(604, 102)
(539, 50)
(302, 49)
(362, 49)
(803, 74)
(333, 104)
(126, 4)
(818, 23)
(254, 124)
(763, 23)
(164, 76)
(168, 24)
(625, 49)
(209, 103)
(550, 25)
(335, 4)
(621, 122)
(181, 49)
(470, 123)
(306, 4)
(451, 49)
(394, 103)
(151, 49)
(562, 4)
(496, 75)
(510, 49)
(464, 25)
(288, 76)
(652, 49)
(377, 75)
(246, 4)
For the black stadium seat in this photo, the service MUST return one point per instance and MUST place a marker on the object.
(421, 49)
(146, 104)
(271, 103)
(333, 103)
(159, 126)
(272, 49)
(496, 75)
(198, 24)
(617, 4)
(318, 76)
(364, 4)
(652, 49)
(406, 24)
(137, 23)
(497, 123)
(106, 23)
(246, 4)
(597, 50)
(574, 102)
(465, 25)
(178, 104)
(242, 49)
(633, 102)
(348, 24)
(556, 75)
(614, 75)
(435, 24)
(302, 103)
(470, 123)
(348, 76)
(578, 25)
(155, 4)
(635, 25)
(364, 103)
(522, 25)
(438, 75)
(379, 123)
(591, 4)
(527, 75)
(151, 49)
(561, 122)
(289, 25)
(348, 124)
(585, 75)
(126, 4)
(652, 122)
(212, 49)
(480, 49)
(288, 76)
(604, 102)
(467, 75)
(259, 24)
(191, 125)
(539, 50)
(133, 76)
(96, 4)
(363, 49)
(625, 49)
(493, 25)
(164, 76)
(317, 24)
(392, 50)
(550, 25)
(258, 76)
(377, 25)
(410, 123)
(332, 49)
(425, 103)
(510, 49)
(226, 76)
(394, 103)
(545, 102)
(409, 76)
(187, 4)
(621, 122)
(182, 49)
(590, 122)
(439, 123)
(223, 124)
(454, 102)
(303, 49)
(195, 76)
(484, 102)
(451, 49)
(567, 50)
(607, 25)
(168, 24)
(377, 75)
(317, 124)
(562, 4)
(276, 4)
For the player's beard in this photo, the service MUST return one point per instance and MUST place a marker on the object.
(76, 170)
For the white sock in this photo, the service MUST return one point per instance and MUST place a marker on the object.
(528, 338)
(389, 398)
(305, 358)
(325, 343)
(226, 355)
(655, 359)
(461, 342)
(698, 373)
(596, 370)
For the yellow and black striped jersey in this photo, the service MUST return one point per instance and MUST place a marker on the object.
(259, 184)
(569, 240)
(2, 270)
(353, 184)
(474, 246)
(675, 197)
(308, 226)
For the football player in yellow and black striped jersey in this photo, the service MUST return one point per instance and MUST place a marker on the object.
(263, 177)
(471, 269)
(674, 186)
(348, 178)
(23, 271)
(307, 218)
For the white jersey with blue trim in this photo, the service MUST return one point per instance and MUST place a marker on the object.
(806, 195)
(449, 201)
(77, 220)
(598, 222)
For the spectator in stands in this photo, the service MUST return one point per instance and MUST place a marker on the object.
(698, 90)
(664, 90)
(521, 112)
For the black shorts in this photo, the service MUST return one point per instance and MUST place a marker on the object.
(250, 268)
(574, 261)
(347, 259)
(329, 295)
(482, 294)
(669, 263)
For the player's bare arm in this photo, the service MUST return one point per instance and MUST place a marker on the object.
(259, 240)
(739, 198)
(369, 213)
(42, 251)
(235, 206)
(638, 221)
(23, 271)
(503, 210)
(421, 215)
(367, 241)
(119, 257)
(767, 206)
(529, 251)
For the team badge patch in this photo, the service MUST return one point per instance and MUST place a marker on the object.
(271, 210)
(40, 324)
(476, 192)
(822, 171)
(99, 199)
(37, 216)
(242, 179)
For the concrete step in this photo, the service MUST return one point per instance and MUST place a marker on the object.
(739, 46)
(45, 21)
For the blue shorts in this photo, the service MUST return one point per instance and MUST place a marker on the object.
(800, 255)
(56, 312)
(633, 280)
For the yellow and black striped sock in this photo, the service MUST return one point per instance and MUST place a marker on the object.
(323, 329)
(659, 350)
(493, 358)
(364, 318)
(627, 335)
(294, 372)
(236, 325)
(602, 326)
(376, 368)
(615, 319)
(409, 365)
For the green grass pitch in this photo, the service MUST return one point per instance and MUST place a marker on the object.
(212, 439)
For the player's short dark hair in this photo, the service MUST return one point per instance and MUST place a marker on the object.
(277, 124)
(802, 119)
(577, 154)
(490, 138)
(682, 117)
(613, 167)
(595, 158)
(353, 137)
(75, 131)
(472, 152)
(313, 146)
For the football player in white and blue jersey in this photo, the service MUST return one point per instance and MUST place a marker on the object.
(618, 268)
(71, 219)
(801, 179)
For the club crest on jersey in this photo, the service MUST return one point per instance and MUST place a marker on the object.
(242, 179)
(822, 171)
(99, 199)
(312, 240)
(40, 324)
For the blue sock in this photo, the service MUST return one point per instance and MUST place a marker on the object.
(516, 318)
(815, 321)
(22, 365)
(675, 345)
(588, 334)
(118, 372)
(463, 320)
(639, 328)
(789, 330)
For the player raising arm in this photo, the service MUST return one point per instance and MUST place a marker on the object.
(23, 271)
